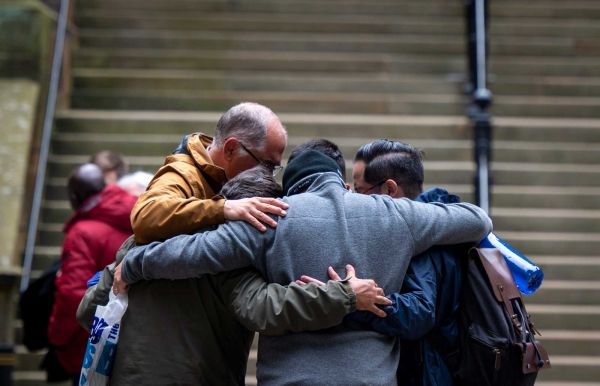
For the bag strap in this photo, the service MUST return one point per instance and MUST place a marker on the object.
(501, 280)
(506, 292)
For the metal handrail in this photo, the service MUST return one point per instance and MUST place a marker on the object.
(481, 98)
(40, 178)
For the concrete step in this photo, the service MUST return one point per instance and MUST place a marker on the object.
(571, 343)
(545, 197)
(338, 103)
(28, 361)
(34, 378)
(398, 6)
(152, 80)
(568, 368)
(382, 25)
(404, 43)
(313, 35)
(564, 317)
(255, 60)
(232, 27)
(174, 16)
(553, 243)
(546, 219)
(567, 292)
(569, 267)
(274, 8)
(335, 102)
(336, 125)
(338, 62)
(44, 256)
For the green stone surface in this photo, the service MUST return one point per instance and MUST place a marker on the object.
(18, 99)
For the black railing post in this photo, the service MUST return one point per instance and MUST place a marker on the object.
(481, 98)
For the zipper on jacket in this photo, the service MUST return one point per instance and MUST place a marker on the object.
(497, 363)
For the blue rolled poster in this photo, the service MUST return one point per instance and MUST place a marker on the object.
(527, 275)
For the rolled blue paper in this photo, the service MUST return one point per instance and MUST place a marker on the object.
(527, 275)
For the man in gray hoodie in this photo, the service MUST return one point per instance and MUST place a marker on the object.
(326, 225)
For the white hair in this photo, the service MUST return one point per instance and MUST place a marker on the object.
(135, 183)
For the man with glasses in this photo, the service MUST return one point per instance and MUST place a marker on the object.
(425, 311)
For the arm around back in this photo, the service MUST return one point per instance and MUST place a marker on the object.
(232, 245)
(413, 313)
(273, 309)
(443, 224)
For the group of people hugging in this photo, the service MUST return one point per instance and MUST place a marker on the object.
(345, 285)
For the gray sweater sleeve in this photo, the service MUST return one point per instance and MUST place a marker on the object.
(443, 224)
(232, 245)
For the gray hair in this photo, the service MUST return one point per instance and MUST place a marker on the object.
(247, 122)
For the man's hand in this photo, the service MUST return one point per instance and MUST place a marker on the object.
(253, 211)
(119, 286)
(367, 292)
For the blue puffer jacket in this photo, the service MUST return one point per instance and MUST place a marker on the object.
(425, 312)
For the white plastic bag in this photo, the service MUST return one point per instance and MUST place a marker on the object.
(102, 343)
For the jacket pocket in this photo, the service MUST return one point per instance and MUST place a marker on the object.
(484, 357)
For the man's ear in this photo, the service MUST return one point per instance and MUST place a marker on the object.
(230, 148)
(392, 189)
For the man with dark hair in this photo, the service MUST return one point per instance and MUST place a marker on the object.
(425, 311)
(326, 226)
(93, 235)
(112, 164)
(389, 160)
(399, 173)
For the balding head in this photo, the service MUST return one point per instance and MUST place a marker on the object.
(247, 122)
(84, 182)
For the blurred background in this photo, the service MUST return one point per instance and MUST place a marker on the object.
(137, 75)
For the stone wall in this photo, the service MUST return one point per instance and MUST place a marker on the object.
(18, 101)
(25, 39)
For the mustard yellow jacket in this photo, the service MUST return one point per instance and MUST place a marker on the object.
(182, 196)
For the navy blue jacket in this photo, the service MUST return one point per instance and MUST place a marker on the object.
(425, 312)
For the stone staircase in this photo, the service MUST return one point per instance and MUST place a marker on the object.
(148, 72)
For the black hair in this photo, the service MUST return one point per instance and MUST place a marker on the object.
(85, 181)
(369, 151)
(324, 146)
(394, 160)
(255, 182)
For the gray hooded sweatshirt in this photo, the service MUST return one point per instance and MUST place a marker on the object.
(325, 226)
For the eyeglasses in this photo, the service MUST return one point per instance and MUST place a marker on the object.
(366, 191)
(275, 169)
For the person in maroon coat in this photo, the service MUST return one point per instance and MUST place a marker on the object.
(94, 233)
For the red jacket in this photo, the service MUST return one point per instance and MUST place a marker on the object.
(93, 236)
